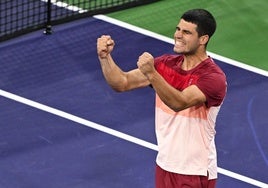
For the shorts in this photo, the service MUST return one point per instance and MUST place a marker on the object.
(165, 179)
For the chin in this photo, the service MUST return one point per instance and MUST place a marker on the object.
(176, 50)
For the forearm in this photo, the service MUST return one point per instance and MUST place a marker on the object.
(173, 98)
(114, 76)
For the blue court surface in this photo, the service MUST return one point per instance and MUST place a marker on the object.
(63, 126)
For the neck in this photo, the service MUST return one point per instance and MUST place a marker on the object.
(192, 60)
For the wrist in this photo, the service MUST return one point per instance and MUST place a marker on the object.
(152, 76)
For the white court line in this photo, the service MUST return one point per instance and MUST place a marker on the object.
(114, 132)
(171, 41)
(77, 119)
(66, 6)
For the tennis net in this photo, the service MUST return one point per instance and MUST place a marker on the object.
(23, 16)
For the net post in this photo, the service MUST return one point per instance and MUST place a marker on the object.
(48, 29)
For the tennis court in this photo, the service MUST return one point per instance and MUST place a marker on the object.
(62, 126)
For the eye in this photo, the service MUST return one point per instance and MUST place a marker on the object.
(187, 32)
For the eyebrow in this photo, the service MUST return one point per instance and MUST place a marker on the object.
(184, 30)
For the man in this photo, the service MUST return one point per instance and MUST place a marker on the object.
(190, 89)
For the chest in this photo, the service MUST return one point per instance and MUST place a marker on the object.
(176, 77)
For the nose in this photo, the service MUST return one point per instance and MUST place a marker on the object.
(178, 34)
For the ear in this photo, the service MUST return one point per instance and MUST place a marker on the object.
(204, 39)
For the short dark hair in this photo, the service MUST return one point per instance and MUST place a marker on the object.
(206, 23)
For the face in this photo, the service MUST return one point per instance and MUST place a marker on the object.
(186, 38)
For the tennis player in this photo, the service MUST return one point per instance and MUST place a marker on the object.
(190, 89)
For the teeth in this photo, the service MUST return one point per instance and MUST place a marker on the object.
(179, 43)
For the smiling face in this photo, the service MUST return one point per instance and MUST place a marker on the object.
(186, 38)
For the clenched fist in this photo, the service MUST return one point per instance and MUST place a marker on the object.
(146, 64)
(105, 45)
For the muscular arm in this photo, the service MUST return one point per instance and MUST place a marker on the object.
(115, 77)
(144, 75)
(176, 100)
